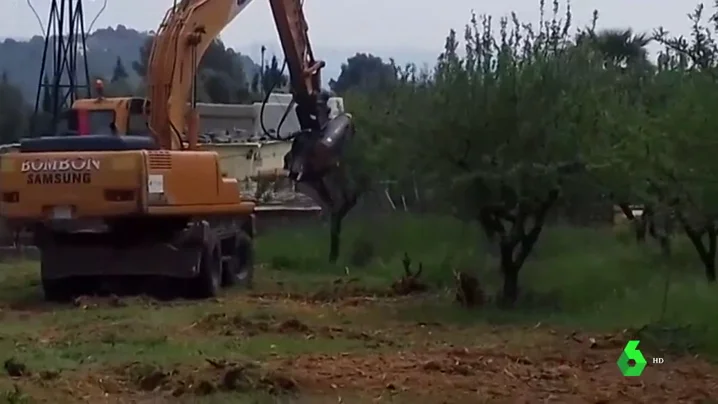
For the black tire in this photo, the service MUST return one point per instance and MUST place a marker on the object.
(208, 282)
(58, 290)
(240, 271)
(229, 272)
(55, 290)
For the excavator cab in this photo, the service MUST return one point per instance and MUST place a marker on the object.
(98, 124)
(109, 116)
(102, 116)
(106, 116)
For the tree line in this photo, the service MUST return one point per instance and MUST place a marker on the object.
(221, 79)
(512, 122)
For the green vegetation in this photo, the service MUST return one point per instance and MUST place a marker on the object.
(609, 283)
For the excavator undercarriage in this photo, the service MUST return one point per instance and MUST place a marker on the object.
(166, 257)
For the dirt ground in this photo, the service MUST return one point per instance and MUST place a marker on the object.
(344, 345)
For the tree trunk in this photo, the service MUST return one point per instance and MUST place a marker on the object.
(706, 253)
(492, 228)
(662, 223)
(640, 227)
(645, 224)
(665, 243)
(335, 227)
(335, 233)
(710, 270)
(710, 258)
(516, 245)
(510, 272)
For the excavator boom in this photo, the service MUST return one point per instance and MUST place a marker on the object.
(185, 34)
(182, 38)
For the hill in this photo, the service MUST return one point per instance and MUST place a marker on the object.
(22, 59)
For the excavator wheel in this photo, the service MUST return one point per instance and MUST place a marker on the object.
(66, 289)
(208, 282)
(240, 262)
(57, 290)
(63, 290)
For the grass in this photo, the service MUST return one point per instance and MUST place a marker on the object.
(325, 327)
(585, 278)
(583, 269)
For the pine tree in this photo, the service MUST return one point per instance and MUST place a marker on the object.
(273, 79)
(255, 83)
(119, 73)
(46, 95)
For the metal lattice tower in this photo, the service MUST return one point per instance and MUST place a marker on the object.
(64, 63)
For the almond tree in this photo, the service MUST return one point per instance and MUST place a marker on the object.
(502, 128)
(670, 159)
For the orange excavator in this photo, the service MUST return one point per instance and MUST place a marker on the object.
(128, 194)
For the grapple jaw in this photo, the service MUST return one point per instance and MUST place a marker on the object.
(314, 163)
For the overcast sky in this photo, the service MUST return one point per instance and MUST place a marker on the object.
(366, 25)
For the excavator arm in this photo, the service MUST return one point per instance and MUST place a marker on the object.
(184, 35)
(304, 70)
(313, 161)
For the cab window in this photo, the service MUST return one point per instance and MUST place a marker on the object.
(137, 125)
(86, 122)
(137, 120)
(67, 122)
(101, 122)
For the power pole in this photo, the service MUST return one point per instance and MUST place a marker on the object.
(64, 62)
